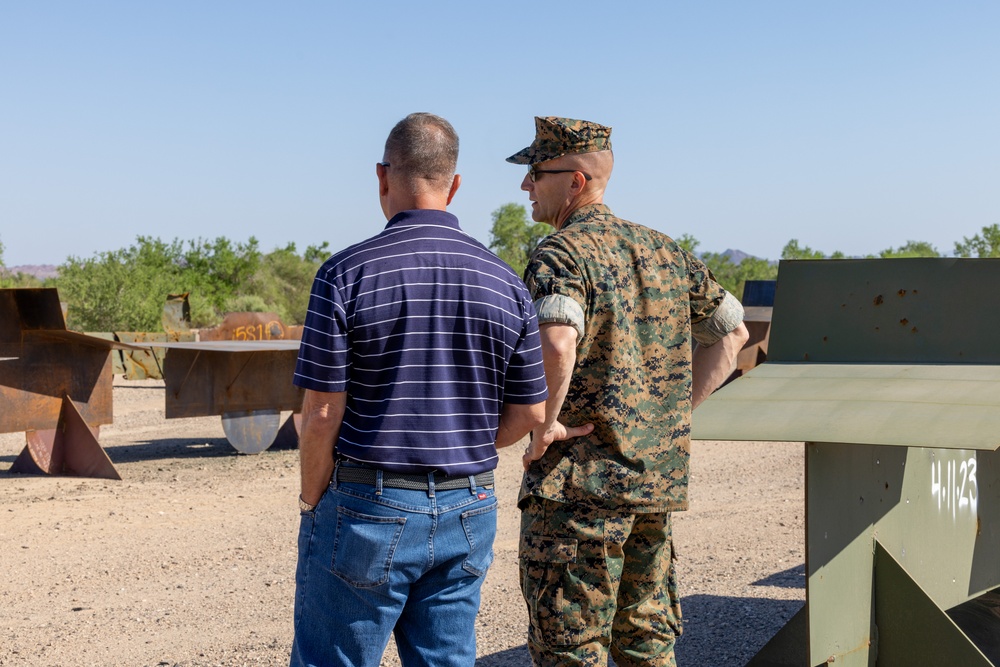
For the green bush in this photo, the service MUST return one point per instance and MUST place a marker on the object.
(124, 290)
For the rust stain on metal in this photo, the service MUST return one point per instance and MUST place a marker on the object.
(220, 380)
(903, 322)
(878, 300)
(45, 365)
(46, 362)
(250, 327)
(176, 313)
(240, 371)
(180, 386)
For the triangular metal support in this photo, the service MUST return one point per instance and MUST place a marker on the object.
(71, 448)
(912, 629)
(789, 647)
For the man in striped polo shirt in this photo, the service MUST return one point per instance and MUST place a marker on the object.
(420, 356)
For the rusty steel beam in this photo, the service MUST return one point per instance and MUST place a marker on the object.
(43, 365)
(213, 379)
(246, 383)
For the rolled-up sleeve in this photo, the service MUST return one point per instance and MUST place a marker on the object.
(560, 309)
(723, 320)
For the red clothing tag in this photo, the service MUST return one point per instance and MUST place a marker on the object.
(482, 496)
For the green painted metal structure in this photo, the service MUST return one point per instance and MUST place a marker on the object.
(889, 371)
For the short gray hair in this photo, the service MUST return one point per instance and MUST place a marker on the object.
(424, 146)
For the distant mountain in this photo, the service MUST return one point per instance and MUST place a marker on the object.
(40, 271)
(737, 256)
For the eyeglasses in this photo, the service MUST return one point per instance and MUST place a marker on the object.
(533, 173)
(384, 164)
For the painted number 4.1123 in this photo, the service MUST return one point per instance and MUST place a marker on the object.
(953, 483)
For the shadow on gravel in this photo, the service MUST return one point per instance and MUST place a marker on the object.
(170, 448)
(729, 630)
(512, 657)
(793, 577)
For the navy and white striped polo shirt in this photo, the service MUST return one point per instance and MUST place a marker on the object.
(429, 333)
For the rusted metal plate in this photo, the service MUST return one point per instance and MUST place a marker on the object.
(147, 361)
(45, 362)
(757, 320)
(33, 385)
(251, 431)
(757, 300)
(116, 355)
(100, 342)
(248, 327)
(216, 378)
(69, 449)
(177, 314)
(25, 309)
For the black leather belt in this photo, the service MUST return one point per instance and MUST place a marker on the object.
(398, 480)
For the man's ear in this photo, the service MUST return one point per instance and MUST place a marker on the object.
(457, 181)
(383, 179)
(579, 182)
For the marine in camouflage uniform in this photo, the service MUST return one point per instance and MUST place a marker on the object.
(623, 303)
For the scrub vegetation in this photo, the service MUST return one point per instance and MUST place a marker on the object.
(124, 290)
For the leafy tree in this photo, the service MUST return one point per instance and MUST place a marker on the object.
(283, 280)
(986, 244)
(911, 249)
(513, 237)
(732, 276)
(793, 251)
(688, 242)
(124, 290)
(215, 272)
(1, 255)
(120, 290)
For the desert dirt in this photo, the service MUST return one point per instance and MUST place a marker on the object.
(190, 559)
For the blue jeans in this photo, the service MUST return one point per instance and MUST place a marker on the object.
(375, 561)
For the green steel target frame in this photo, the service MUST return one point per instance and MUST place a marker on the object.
(889, 371)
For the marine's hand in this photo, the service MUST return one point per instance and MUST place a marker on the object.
(540, 440)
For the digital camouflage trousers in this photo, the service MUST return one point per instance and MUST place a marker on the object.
(597, 581)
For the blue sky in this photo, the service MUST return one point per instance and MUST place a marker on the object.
(851, 126)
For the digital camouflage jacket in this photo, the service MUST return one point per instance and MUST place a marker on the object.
(643, 298)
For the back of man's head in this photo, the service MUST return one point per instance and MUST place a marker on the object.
(423, 149)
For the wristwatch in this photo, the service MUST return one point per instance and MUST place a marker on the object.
(304, 506)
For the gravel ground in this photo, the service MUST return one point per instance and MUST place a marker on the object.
(189, 561)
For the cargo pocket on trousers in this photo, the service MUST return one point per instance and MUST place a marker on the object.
(364, 547)
(547, 582)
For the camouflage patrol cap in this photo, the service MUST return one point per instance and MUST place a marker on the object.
(555, 137)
